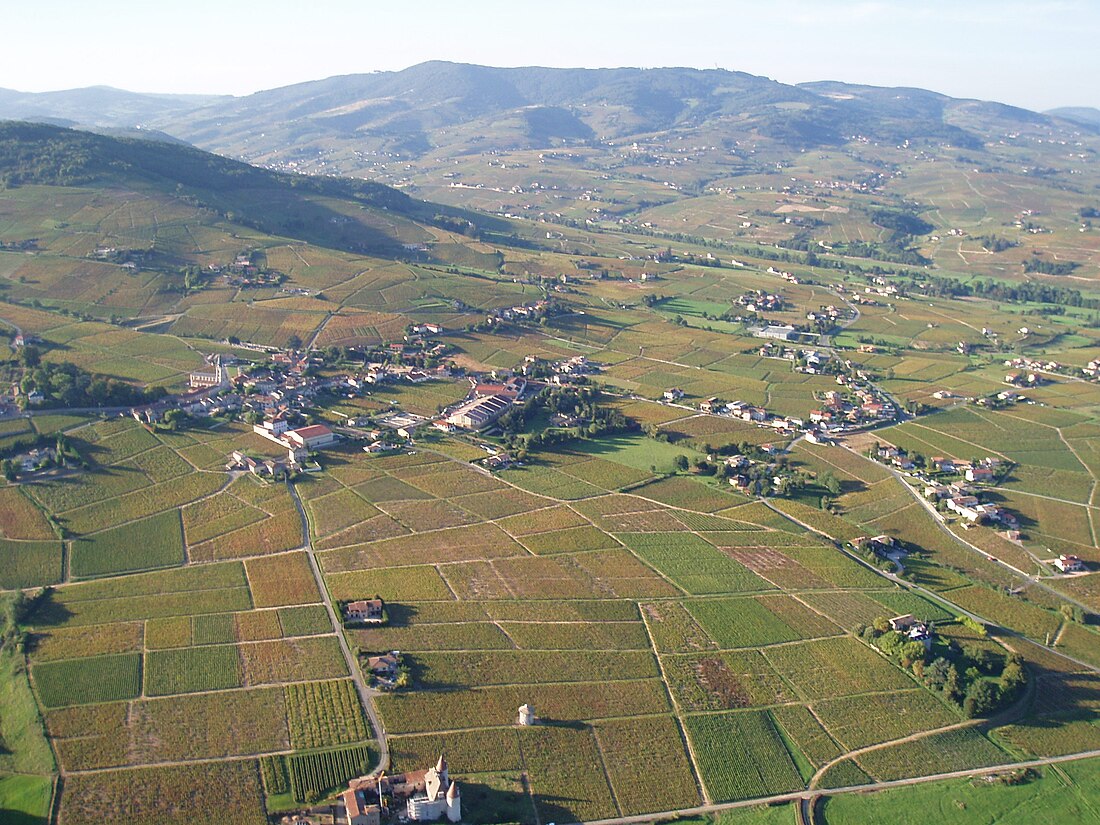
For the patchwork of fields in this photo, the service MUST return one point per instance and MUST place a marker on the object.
(681, 643)
(627, 609)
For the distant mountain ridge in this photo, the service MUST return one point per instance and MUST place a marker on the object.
(438, 103)
(101, 106)
(1084, 115)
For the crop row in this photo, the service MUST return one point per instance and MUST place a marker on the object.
(313, 775)
(324, 713)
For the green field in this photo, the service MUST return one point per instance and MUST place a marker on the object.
(1063, 794)
(140, 545)
(83, 681)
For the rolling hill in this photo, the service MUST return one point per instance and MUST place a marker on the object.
(470, 108)
(272, 202)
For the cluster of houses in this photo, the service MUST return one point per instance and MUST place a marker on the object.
(861, 405)
(827, 317)
(809, 361)
(750, 475)
(520, 312)
(1092, 369)
(561, 372)
(1024, 379)
(786, 276)
(959, 497)
(245, 274)
(1002, 398)
(761, 301)
(273, 468)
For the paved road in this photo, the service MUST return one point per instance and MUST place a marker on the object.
(937, 597)
(937, 518)
(366, 693)
(798, 796)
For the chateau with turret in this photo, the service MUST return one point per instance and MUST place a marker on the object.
(429, 795)
(439, 798)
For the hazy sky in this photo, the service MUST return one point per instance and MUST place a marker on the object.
(1035, 54)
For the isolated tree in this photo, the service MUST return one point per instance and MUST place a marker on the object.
(681, 462)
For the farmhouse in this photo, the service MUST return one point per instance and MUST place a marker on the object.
(979, 474)
(316, 435)
(965, 506)
(1070, 564)
(384, 665)
(365, 611)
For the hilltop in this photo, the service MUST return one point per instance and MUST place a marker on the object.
(413, 110)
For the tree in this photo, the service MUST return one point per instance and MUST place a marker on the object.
(951, 688)
(681, 462)
(30, 356)
(175, 419)
(294, 342)
(1013, 678)
(982, 697)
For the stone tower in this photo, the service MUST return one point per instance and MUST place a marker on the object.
(454, 803)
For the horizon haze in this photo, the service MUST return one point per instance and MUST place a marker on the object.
(977, 52)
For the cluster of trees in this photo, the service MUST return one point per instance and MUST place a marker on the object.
(67, 385)
(761, 471)
(456, 224)
(1045, 267)
(16, 610)
(579, 402)
(1017, 293)
(976, 680)
(995, 243)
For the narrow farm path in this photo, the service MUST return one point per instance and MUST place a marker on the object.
(366, 694)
